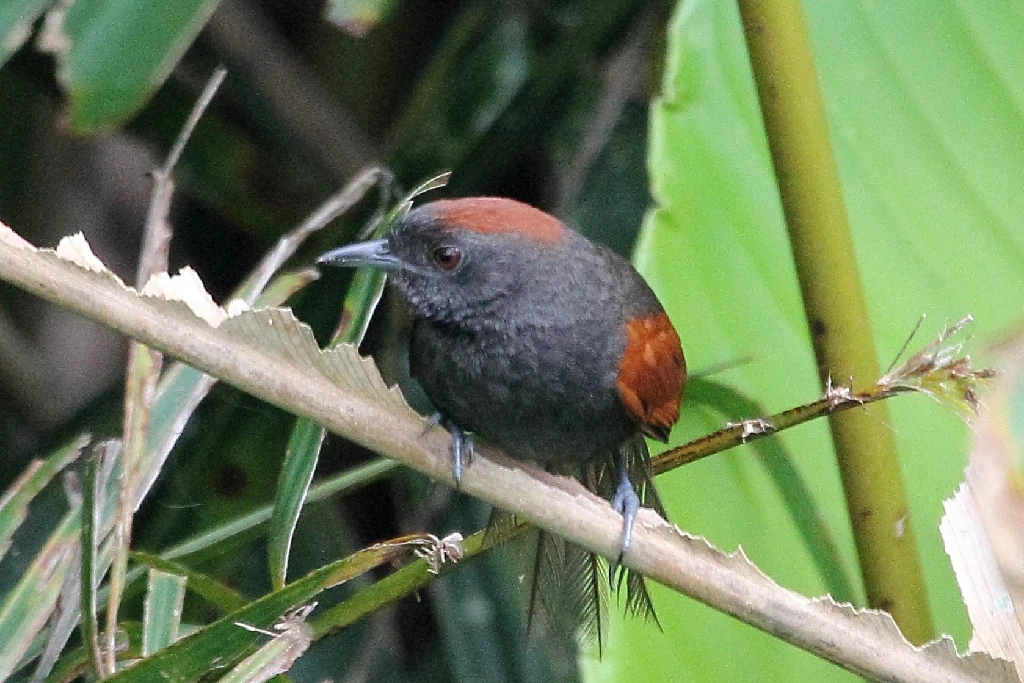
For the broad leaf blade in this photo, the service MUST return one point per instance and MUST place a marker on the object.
(934, 204)
(779, 463)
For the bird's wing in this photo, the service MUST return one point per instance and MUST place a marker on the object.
(652, 374)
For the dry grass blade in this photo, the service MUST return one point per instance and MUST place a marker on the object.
(983, 528)
(63, 623)
(144, 365)
(290, 638)
(997, 627)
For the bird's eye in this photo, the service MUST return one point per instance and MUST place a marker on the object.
(447, 258)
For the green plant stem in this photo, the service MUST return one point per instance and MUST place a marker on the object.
(751, 430)
(797, 131)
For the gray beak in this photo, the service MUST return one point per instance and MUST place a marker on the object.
(372, 253)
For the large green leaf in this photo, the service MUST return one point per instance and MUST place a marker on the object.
(924, 102)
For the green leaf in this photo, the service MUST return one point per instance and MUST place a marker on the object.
(296, 475)
(307, 436)
(16, 19)
(929, 143)
(225, 641)
(227, 599)
(63, 623)
(15, 501)
(247, 526)
(26, 609)
(778, 462)
(75, 662)
(116, 53)
(398, 584)
(347, 481)
(90, 538)
(162, 610)
(290, 638)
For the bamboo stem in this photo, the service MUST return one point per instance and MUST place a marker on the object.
(795, 123)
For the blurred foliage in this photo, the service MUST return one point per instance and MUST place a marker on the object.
(546, 102)
(504, 93)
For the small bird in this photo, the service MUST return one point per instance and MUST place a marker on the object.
(538, 341)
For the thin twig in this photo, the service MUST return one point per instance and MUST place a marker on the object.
(334, 206)
(193, 118)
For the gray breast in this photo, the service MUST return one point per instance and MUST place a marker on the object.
(539, 393)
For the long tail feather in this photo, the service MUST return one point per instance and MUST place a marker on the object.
(602, 480)
(566, 582)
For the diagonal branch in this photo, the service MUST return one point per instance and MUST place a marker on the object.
(864, 642)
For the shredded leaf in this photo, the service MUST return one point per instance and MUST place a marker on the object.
(188, 288)
(76, 249)
(983, 528)
(8, 236)
(997, 628)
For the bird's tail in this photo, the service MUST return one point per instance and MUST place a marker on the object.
(601, 478)
(568, 584)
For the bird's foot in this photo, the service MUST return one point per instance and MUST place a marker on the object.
(462, 445)
(626, 502)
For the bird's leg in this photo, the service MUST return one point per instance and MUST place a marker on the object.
(462, 445)
(626, 502)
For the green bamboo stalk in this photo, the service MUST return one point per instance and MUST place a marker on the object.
(795, 123)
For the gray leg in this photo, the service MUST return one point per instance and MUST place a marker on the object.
(626, 502)
(462, 445)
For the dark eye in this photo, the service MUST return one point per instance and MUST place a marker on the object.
(447, 258)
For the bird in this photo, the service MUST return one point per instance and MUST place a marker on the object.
(540, 342)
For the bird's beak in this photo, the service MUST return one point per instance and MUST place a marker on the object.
(372, 253)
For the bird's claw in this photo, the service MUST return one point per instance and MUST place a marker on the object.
(627, 503)
(462, 445)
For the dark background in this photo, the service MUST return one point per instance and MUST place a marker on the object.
(542, 101)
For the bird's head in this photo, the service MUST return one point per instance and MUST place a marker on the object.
(460, 258)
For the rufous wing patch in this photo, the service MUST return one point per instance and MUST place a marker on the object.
(652, 374)
(498, 215)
